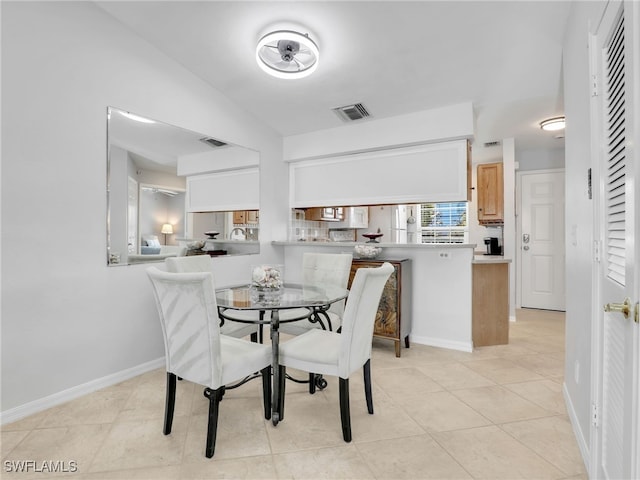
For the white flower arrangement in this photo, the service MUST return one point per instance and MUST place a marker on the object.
(367, 251)
(266, 276)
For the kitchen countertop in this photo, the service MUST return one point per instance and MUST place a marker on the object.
(381, 244)
(490, 259)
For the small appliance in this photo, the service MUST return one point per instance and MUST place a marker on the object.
(493, 246)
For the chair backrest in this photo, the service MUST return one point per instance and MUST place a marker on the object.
(192, 264)
(189, 318)
(359, 317)
(327, 269)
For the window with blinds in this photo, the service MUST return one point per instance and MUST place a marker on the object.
(615, 153)
(444, 222)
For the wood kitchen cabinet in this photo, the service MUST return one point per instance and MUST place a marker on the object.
(490, 193)
(327, 214)
(253, 217)
(393, 320)
(242, 217)
(490, 304)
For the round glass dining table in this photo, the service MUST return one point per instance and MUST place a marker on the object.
(315, 299)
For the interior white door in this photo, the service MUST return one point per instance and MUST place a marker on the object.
(616, 351)
(542, 241)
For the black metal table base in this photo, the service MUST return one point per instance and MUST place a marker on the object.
(315, 381)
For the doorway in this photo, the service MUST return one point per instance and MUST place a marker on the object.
(541, 240)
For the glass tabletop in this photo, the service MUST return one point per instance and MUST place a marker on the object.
(290, 296)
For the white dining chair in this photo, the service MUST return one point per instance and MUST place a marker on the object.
(341, 354)
(237, 329)
(196, 351)
(320, 269)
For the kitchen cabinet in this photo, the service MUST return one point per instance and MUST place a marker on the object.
(253, 217)
(326, 214)
(393, 320)
(490, 194)
(354, 217)
(246, 217)
(490, 304)
(239, 217)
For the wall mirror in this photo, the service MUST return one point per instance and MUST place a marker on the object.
(160, 197)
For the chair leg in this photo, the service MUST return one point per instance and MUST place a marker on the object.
(281, 387)
(312, 383)
(170, 403)
(266, 391)
(345, 415)
(214, 396)
(366, 370)
(261, 327)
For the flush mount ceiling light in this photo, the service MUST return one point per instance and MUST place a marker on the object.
(287, 54)
(552, 124)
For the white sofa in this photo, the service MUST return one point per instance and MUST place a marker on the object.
(165, 251)
(152, 251)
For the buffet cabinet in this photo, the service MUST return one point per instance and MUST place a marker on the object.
(393, 320)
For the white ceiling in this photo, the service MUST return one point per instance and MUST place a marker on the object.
(394, 57)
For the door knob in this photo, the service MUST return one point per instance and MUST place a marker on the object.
(623, 308)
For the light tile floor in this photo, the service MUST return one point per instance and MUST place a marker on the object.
(496, 413)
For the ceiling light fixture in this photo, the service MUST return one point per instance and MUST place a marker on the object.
(553, 124)
(287, 54)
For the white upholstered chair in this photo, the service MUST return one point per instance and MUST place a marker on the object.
(203, 263)
(320, 269)
(196, 351)
(341, 354)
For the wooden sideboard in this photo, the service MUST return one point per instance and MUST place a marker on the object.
(393, 320)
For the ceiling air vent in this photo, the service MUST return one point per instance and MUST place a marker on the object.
(495, 143)
(350, 113)
(212, 142)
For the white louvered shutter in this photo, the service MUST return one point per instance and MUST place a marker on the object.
(615, 154)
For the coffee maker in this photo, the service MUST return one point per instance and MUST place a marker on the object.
(493, 246)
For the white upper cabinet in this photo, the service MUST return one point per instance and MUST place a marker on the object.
(435, 172)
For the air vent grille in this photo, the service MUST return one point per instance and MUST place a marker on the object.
(495, 143)
(212, 142)
(350, 113)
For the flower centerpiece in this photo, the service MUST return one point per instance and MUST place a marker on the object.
(367, 251)
(266, 283)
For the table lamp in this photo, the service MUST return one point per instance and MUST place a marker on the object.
(167, 229)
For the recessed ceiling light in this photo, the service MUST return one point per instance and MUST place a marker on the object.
(137, 118)
(287, 54)
(552, 124)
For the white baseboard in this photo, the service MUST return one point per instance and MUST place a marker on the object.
(583, 444)
(72, 393)
(439, 342)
